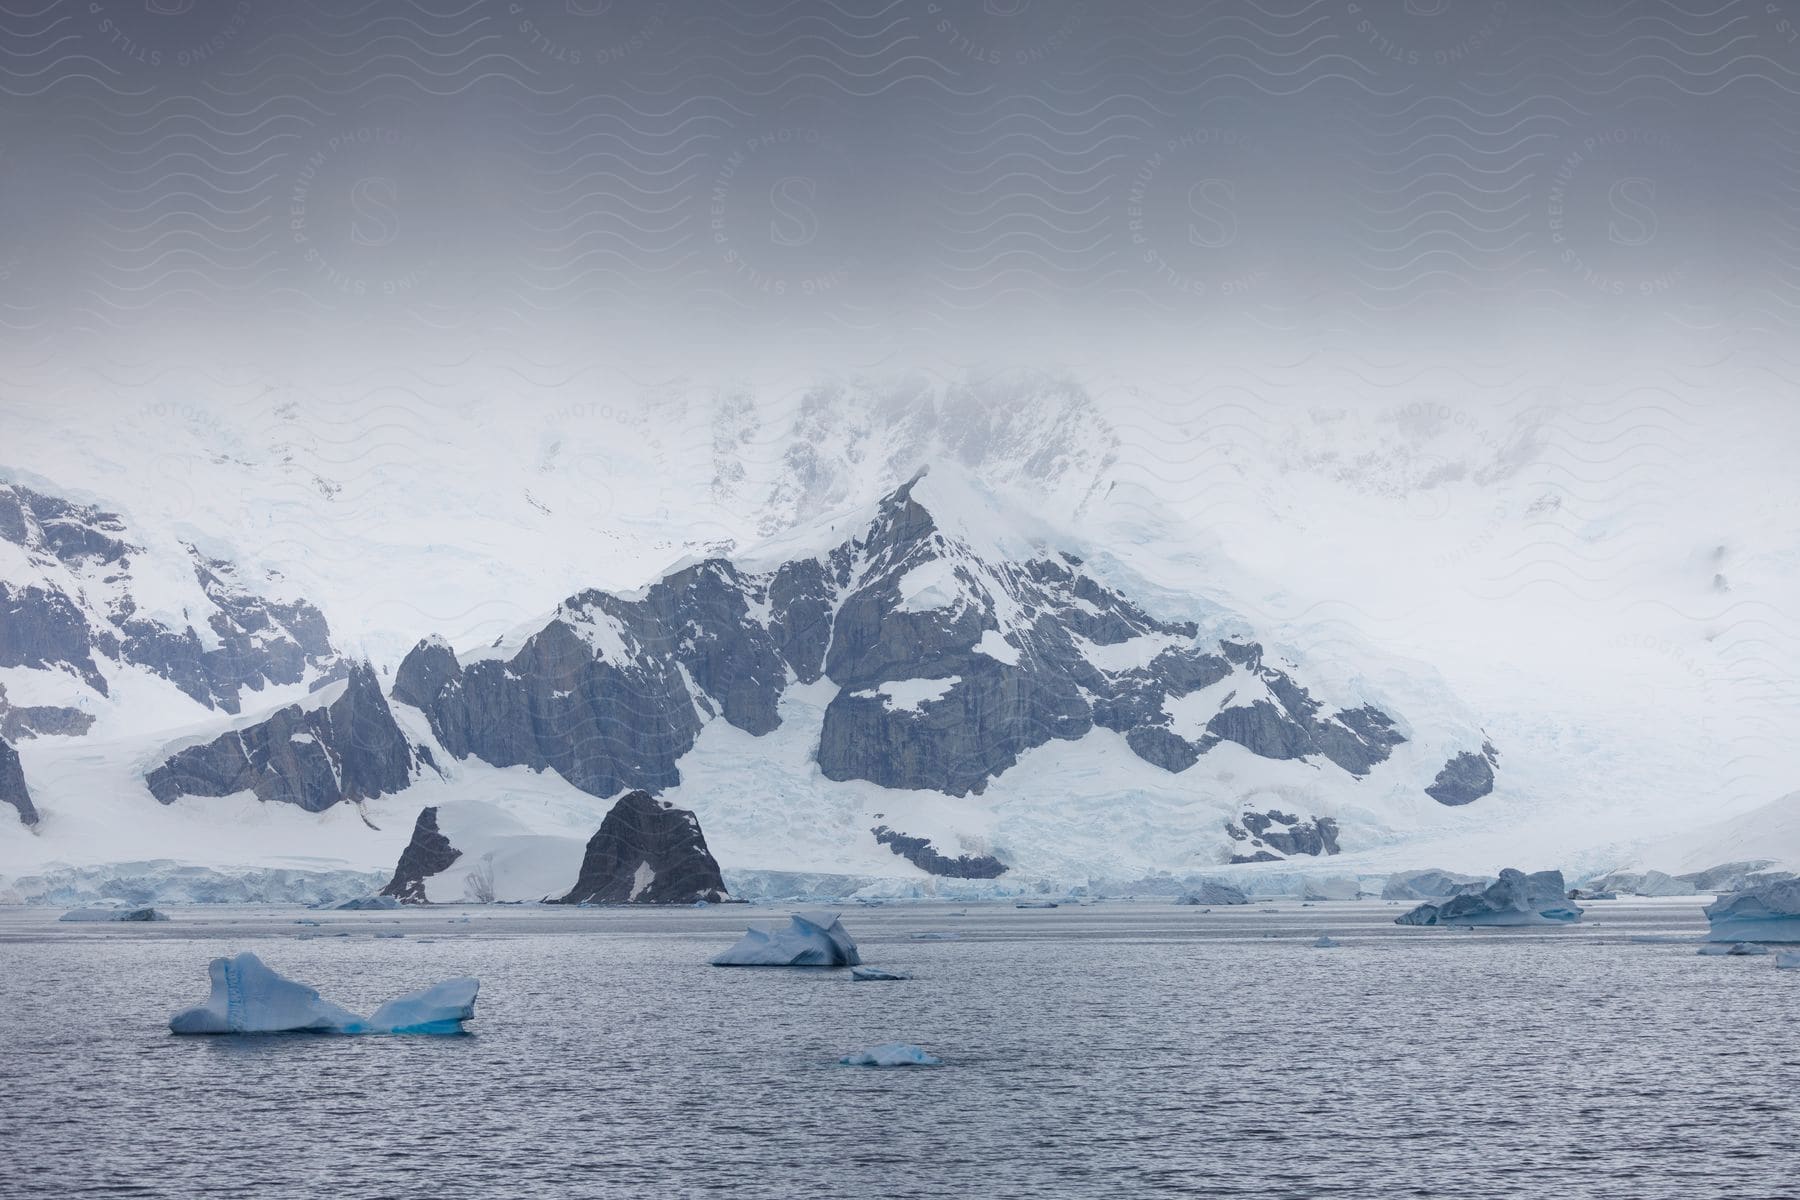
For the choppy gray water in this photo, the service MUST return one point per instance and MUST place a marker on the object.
(1121, 1049)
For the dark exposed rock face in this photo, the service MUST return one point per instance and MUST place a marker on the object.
(612, 690)
(12, 785)
(428, 853)
(921, 854)
(1283, 833)
(20, 721)
(1466, 778)
(647, 851)
(77, 610)
(348, 749)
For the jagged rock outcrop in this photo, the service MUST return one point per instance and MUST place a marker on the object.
(347, 748)
(12, 785)
(72, 605)
(647, 851)
(923, 855)
(1273, 835)
(1466, 778)
(425, 855)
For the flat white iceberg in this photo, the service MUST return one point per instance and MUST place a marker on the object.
(811, 939)
(1770, 913)
(1735, 949)
(892, 1054)
(248, 997)
(1517, 899)
(872, 974)
(113, 913)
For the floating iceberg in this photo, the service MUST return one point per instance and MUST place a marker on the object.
(1326, 942)
(369, 902)
(1584, 894)
(112, 913)
(1432, 884)
(891, 1054)
(872, 974)
(248, 997)
(813, 939)
(1787, 960)
(440, 1008)
(1770, 913)
(1037, 904)
(1331, 887)
(1211, 892)
(1517, 899)
(1735, 949)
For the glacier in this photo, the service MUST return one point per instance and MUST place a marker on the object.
(812, 939)
(249, 997)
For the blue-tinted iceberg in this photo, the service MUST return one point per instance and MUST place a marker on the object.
(1326, 942)
(1787, 960)
(813, 939)
(1517, 899)
(873, 974)
(440, 1008)
(891, 1054)
(1770, 913)
(248, 997)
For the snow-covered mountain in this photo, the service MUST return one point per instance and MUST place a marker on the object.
(90, 607)
(882, 694)
(1043, 661)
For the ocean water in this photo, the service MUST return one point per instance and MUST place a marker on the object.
(1120, 1049)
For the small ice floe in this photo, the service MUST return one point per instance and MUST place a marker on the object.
(813, 939)
(1770, 913)
(248, 997)
(1037, 904)
(390, 933)
(307, 921)
(1787, 960)
(892, 1054)
(113, 912)
(936, 935)
(369, 903)
(872, 974)
(1734, 949)
(1326, 942)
